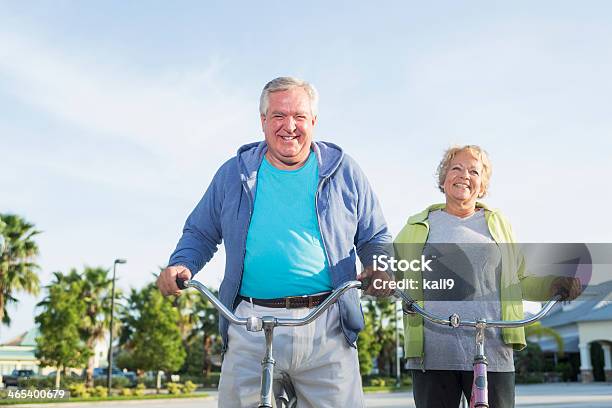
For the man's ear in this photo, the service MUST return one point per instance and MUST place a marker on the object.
(263, 120)
(314, 120)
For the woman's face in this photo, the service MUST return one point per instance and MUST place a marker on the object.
(463, 182)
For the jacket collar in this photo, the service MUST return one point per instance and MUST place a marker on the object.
(251, 155)
(424, 215)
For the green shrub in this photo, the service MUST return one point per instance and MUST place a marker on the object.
(211, 381)
(529, 360)
(189, 387)
(140, 389)
(37, 382)
(566, 370)
(117, 382)
(66, 381)
(126, 392)
(99, 391)
(199, 379)
(378, 382)
(78, 390)
(530, 378)
(174, 388)
(407, 380)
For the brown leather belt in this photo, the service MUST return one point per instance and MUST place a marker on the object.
(291, 302)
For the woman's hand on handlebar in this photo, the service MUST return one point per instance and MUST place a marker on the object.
(166, 282)
(569, 288)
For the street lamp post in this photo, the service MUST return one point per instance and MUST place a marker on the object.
(109, 374)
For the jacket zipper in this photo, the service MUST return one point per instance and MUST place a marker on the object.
(246, 234)
(251, 205)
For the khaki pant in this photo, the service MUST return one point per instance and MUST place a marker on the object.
(323, 368)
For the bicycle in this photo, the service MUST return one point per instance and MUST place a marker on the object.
(284, 396)
(479, 397)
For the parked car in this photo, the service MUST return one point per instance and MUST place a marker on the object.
(71, 374)
(16, 375)
(117, 373)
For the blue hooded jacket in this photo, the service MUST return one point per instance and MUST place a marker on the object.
(349, 215)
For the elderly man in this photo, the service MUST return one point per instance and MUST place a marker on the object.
(293, 215)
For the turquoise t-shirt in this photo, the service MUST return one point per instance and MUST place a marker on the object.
(284, 250)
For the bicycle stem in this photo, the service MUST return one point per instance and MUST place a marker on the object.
(480, 396)
(267, 364)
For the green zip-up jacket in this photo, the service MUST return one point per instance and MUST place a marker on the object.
(515, 286)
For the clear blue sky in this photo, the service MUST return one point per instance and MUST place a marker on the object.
(115, 115)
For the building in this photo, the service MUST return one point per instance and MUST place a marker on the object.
(18, 353)
(582, 324)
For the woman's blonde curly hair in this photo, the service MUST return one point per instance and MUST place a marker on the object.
(478, 152)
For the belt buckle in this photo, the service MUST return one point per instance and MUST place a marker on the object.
(288, 302)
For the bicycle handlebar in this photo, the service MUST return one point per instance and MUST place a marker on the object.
(254, 323)
(411, 306)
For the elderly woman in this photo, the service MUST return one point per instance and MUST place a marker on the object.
(463, 237)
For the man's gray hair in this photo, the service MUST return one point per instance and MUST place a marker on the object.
(284, 84)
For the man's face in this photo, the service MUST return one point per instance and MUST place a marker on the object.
(288, 126)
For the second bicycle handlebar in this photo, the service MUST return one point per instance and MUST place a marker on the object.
(411, 306)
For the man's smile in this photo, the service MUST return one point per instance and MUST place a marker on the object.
(289, 137)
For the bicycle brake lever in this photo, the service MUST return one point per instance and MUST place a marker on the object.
(407, 309)
(181, 283)
(563, 294)
(365, 283)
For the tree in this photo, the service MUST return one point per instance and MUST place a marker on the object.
(150, 331)
(199, 321)
(17, 266)
(96, 296)
(537, 330)
(529, 361)
(60, 343)
(385, 335)
(377, 340)
(367, 346)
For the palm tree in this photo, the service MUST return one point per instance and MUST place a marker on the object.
(17, 266)
(63, 303)
(206, 324)
(186, 304)
(96, 293)
(93, 285)
(128, 317)
(198, 321)
(539, 331)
